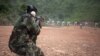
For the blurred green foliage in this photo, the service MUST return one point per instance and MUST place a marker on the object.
(67, 10)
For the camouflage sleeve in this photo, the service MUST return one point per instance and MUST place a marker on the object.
(18, 21)
(21, 21)
(35, 27)
(11, 40)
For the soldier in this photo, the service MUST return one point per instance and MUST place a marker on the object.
(48, 22)
(86, 23)
(68, 23)
(75, 23)
(23, 38)
(81, 25)
(52, 22)
(63, 23)
(58, 23)
(96, 24)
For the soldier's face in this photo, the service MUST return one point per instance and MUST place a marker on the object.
(33, 13)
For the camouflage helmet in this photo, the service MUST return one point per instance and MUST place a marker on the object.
(31, 8)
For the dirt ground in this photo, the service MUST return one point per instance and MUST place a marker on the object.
(60, 41)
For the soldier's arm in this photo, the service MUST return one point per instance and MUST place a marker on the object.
(21, 21)
(36, 27)
(11, 40)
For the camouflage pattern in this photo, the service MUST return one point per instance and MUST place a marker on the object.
(23, 38)
(40, 20)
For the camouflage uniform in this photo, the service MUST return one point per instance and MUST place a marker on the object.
(40, 20)
(23, 38)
